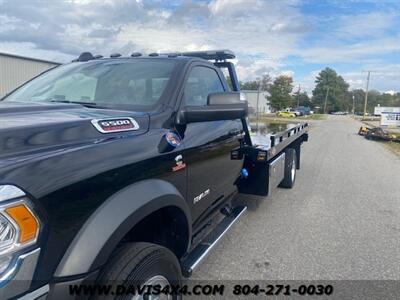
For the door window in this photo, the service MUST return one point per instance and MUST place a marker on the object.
(201, 82)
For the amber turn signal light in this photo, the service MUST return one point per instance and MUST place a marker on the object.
(26, 221)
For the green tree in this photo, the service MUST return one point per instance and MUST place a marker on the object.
(249, 85)
(331, 85)
(264, 84)
(359, 96)
(375, 98)
(280, 91)
(386, 99)
(303, 100)
(229, 81)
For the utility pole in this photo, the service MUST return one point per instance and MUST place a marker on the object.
(366, 94)
(353, 105)
(298, 96)
(326, 99)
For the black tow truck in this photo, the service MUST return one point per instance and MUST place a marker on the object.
(127, 169)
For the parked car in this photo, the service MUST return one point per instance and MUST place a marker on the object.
(292, 110)
(286, 114)
(339, 113)
(304, 110)
(298, 113)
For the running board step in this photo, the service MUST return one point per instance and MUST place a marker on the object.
(197, 255)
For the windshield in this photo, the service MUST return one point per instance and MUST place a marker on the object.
(139, 83)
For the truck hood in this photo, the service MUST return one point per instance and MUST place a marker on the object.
(28, 128)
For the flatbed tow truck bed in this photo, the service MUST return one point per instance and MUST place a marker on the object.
(274, 141)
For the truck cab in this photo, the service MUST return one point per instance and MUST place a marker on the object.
(127, 169)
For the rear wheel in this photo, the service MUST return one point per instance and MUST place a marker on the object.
(290, 169)
(141, 264)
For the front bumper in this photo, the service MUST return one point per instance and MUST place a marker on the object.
(60, 290)
(39, 294)
(17, 280)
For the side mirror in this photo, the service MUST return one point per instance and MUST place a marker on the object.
(220, 106)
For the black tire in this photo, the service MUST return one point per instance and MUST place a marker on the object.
(135, 263)
(290, 169)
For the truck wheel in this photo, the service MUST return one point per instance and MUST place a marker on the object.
(290, 169)
(141, 264)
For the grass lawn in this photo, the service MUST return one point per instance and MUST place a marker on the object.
(273, 119)
(276, 119)
(367, 118)
(314, 117)
(393, 146)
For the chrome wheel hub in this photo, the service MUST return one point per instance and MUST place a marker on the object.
(155, 280)
(293, 170)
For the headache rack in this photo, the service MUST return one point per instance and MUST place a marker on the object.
(219, 57)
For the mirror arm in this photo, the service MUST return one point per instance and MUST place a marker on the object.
(181, 117)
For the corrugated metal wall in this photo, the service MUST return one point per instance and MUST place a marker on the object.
(15, 71)
(263, 103)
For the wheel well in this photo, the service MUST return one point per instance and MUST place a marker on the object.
(167, 227)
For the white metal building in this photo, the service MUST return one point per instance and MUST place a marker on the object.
(263, 103)
(15, 70)
(380, 109)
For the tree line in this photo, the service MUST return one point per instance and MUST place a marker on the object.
(331, 93)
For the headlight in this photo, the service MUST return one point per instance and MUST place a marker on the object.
(19, 227)
(8, 233)
(7, 238)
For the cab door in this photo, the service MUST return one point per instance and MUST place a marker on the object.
(208, 145)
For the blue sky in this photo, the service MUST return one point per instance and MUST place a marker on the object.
(293, 37)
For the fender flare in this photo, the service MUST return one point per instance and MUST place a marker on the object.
(113, 219)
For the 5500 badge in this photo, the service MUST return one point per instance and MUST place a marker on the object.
(115, 125)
